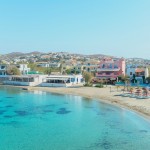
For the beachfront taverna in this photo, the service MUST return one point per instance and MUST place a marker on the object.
(63, 81)
(24, 80)
(45, 80)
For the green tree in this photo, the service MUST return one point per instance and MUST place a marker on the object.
(148, 79)
(88, 77)
(124, 78)
(13, 70)
(68, 71)
(143, 77)
(94, 73)
(47, 71)
(33, 66)
(134, 79)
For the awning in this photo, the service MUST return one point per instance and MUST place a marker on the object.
(112, 78)
(56, 78)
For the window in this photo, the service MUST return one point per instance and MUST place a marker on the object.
(130, 73)
(107, 73)
(115, 66)
(72, 79)
(110, 66)
(18, 66)
(103, 66)
(31, 79)
(82, 80)
(2, 67)
(68, 81)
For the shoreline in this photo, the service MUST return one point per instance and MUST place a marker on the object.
(139, 106)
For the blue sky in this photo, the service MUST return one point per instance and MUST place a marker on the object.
(113, 27)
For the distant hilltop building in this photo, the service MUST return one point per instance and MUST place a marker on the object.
(46, 65)
(110, 69)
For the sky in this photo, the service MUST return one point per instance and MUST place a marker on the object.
(111, 27)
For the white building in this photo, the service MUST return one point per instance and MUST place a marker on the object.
(25, 80)
(63, 81)
(54, 65)
(46, 65)
(23, 68)
(3, 69)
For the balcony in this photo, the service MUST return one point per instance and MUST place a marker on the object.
(108, 69)
(107, 75)
(2, 68)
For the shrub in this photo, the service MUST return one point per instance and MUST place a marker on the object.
(88, 85)
(99, 85)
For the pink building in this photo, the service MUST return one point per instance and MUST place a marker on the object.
(111, 68)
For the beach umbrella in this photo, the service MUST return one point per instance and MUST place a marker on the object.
(145, 91)
(138, 92)
(131, 90)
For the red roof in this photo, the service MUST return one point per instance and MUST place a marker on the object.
(139, 70)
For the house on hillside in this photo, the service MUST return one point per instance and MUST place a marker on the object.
(136, 74)
(3, 68)
(91, 65)
(23, 68)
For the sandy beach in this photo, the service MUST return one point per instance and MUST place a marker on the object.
(141, 106)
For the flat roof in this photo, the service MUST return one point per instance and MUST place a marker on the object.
(64, 76)
(57, 78)
(24, 76)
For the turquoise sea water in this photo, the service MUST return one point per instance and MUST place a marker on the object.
(44, 121)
